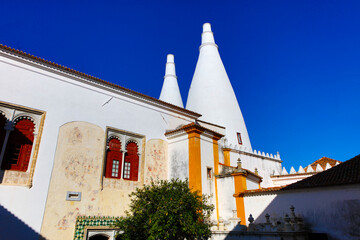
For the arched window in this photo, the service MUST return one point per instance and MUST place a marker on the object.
(131, 162)
(113, 159)
(18, 149)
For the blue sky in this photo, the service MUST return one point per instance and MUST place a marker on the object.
(294, 65)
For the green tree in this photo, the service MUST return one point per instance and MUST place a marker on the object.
(166, 210)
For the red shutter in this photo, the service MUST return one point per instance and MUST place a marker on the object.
(133, 157)
(113, 153)
(18, 150)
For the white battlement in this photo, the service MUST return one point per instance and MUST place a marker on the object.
(242, 149)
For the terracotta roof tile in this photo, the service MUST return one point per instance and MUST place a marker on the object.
(322, 161)
(190, 125)
(261, 190)
(343, 174)
(98, 80)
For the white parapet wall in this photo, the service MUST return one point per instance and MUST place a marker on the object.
(333, 210)
(265, 163)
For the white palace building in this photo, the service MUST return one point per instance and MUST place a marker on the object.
(74, 146)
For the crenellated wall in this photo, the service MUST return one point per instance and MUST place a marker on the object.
(265, 164)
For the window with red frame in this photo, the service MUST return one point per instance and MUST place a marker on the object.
(19, 145)
(239, 138)
(131, 162)
(113, 159)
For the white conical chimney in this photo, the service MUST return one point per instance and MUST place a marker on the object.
(170, 91)
(212, 95)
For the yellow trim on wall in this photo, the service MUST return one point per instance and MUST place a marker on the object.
(226, 156)
(240, 186)
(194, 159)
(216, 171)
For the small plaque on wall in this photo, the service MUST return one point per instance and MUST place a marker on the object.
(73, 196)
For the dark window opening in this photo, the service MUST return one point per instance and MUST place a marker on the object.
(239, 138)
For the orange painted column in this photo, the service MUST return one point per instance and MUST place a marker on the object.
(240, 186)
(216, 172)
(226, 156)
(194, 159)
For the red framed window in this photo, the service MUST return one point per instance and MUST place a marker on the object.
(239, 138)
(131, 162)
(113, 159)
(19, 145)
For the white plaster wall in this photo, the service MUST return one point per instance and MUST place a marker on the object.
(178, 151)
(333, 210)
(226, 189)
(289, 179)
(251, 184)
(207, 160)
(64, 100)
(265, 166)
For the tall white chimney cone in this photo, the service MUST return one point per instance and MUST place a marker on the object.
(212, 95)
(170, 91)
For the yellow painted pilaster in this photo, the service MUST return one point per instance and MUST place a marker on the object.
(240, 186)
(216, 172)
(226, 156)
(194, 159)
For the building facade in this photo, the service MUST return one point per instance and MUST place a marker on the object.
(74, 146)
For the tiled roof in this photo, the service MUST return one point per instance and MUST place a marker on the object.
(261, 190)
(343, 174)
(252, 173)
(92, 78)
(323, 161)
(193, 125)
(293, 175)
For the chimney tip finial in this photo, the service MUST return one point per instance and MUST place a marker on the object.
(170, 58)
(207, 27)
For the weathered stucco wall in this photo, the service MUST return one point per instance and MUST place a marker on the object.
(78, 167)
(178, 156)
(156, 161)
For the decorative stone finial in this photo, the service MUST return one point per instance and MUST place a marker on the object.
(256, 171)
(267, 216)
(239, 163)
(287, 225)
(221, 224)
(292, 209)
(251, 219)
(234, 213)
